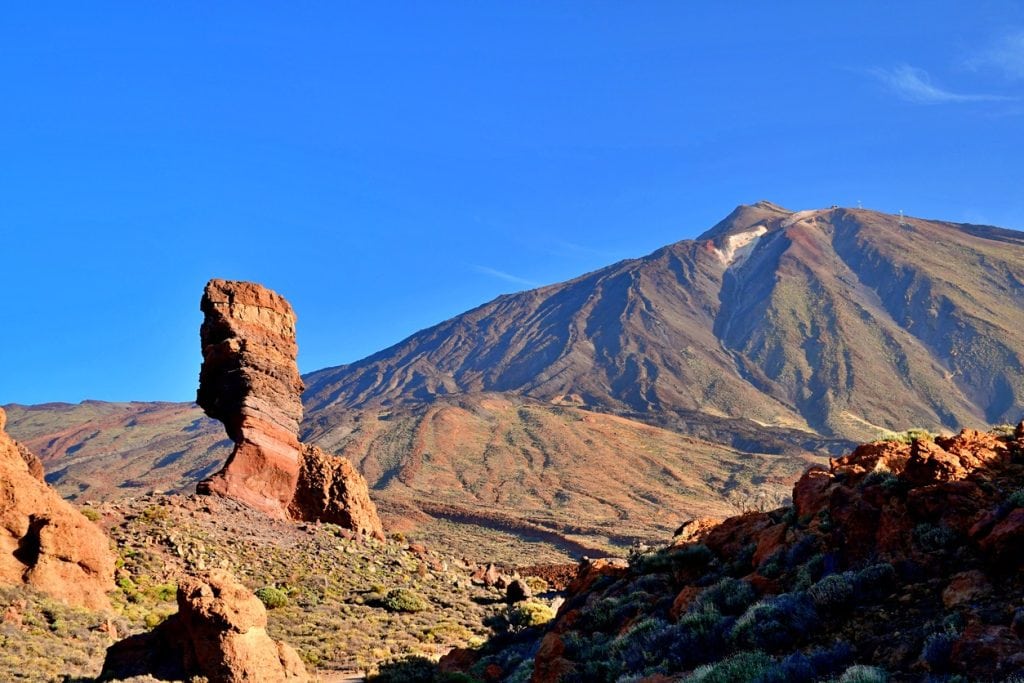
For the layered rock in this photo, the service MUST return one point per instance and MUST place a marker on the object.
(46, 543)
(218, 633)
(250, 381)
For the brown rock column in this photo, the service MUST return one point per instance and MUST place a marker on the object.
(250, 381)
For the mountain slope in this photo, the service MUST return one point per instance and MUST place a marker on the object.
(571, 478)
(845, 322)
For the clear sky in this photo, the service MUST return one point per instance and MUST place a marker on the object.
(388, 165)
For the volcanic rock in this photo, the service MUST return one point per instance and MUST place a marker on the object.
(46, 543)
(250, 381)
(330, 489)
(219, 633)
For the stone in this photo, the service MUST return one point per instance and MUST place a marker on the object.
(219, 633)
(250, 381)
(45, 542)
(517, 591)
(329, 489)
(965, 587)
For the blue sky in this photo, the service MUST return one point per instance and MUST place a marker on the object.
(386, 168)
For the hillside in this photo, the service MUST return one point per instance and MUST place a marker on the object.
(575, 480)
(815, 320)
(901, 561)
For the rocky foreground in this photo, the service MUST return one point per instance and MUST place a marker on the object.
(901, 561)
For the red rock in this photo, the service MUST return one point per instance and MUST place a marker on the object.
(550, 665)
(965, 587)
(250, 381)
(218, 633)
(880, 456)
(729, 538)
(1005, 543)
(45, 542)
(592, 570)
(768, 541)
(984, 648)
(810, 494)
(693, 530)
(329, 489)
(683, 600)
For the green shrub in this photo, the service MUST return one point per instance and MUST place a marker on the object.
(859, 673)
(776, 623)
(537, 585)
(728, 596)
(90, 514)
(1016, 499)
(404, 600)
(272, 597)
(909, 436)
(529, 613)
(835, 591)
(933, 538)
(740, 668)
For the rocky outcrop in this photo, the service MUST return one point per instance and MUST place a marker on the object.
(903, 556)
(218, 633)
(250, 381)
(46, 543)
(329, 489)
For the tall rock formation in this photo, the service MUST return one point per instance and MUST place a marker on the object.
(46, 543)
(250, 381)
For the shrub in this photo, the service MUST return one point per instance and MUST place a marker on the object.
(934, 538)
(272, 597)
(859, 673)
(909, 436)
(835, 591)
(744, 666)
(694, 556)
(874, 582)
(90, 514)
(537, 584)
(728, 596)
(776, 623)
(529, 613)
(1016, 499)
(404, 600)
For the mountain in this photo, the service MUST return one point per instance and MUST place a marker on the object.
(842, 322)
(694, 380)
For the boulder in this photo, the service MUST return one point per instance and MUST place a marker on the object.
(45, 542)
(218, 633)
(329, 489)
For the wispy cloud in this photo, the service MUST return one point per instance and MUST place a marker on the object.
(1005, 55)
(507, 277)
(915, 85)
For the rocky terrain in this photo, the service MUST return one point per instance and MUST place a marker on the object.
(900, 561)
